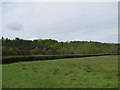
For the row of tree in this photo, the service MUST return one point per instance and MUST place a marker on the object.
(19, 46)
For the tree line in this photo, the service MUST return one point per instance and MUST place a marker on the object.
(19, 46)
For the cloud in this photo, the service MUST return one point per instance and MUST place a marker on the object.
(61, 21)
(14, 27)
(60, 1)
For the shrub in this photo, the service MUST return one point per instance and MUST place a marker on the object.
(11, 59)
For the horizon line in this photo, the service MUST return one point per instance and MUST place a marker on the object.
(32, 39)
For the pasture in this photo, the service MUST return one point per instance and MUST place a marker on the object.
(87, 72)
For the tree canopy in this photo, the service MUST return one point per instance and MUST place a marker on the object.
(19, 46)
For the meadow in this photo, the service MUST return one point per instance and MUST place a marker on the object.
(87, 72)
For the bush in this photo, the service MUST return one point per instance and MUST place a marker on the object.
(12, 59)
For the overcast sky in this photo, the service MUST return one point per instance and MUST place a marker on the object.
(95, 21)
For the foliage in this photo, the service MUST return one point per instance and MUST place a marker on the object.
(11, 59)
(19, 46)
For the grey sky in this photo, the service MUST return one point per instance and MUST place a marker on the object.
(96, 21)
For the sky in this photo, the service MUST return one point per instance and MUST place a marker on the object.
(62, 21)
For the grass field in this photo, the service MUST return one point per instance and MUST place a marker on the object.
(88, 72)
(0, 76)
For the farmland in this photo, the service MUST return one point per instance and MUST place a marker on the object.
(87, 72)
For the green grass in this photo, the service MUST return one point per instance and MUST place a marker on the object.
(88, 72)
(0, 76)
